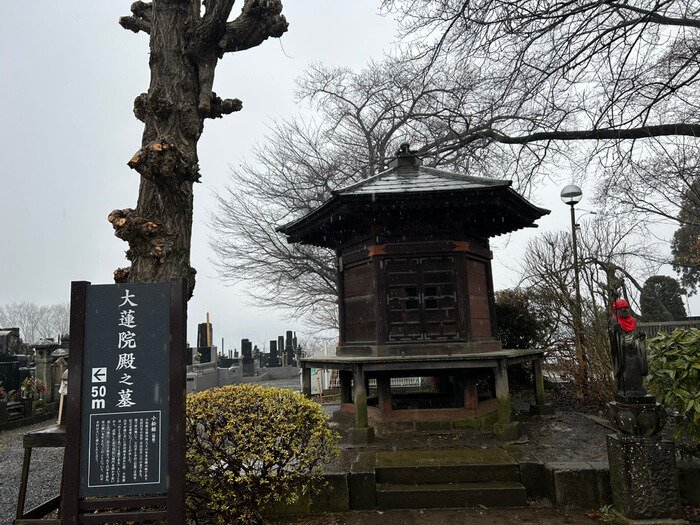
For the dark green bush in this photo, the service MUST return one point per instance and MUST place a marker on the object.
(248, 446)
(674, 377)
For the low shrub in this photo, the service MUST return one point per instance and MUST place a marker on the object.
(674, 377)
(249, 446)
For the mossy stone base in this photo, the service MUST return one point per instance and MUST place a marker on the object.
(620, 519)
(38, 407)
(330, 494)
(573, 484)
(433, 426)
(507, 431)
(358, 436)
(362, 482)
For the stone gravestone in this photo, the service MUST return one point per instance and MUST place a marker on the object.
(256, 358)
(44, 348)
(643, 472)
(9, 361)
(289, 349)
(272, 360)
(248, 363)
(205, 334)
(280, 351)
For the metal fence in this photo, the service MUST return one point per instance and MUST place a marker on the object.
(331, 379)
(652, 329)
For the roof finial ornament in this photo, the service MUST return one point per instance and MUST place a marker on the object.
(404, 150)
(405, 157)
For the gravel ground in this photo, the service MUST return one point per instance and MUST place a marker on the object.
(44, 473)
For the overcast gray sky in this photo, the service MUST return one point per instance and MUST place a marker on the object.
(70, 74)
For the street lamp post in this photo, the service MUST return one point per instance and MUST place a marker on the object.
(572, 195)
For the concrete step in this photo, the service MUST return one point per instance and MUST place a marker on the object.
(446, 466)
(450, 495)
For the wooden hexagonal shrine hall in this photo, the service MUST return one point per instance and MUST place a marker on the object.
(414, 274)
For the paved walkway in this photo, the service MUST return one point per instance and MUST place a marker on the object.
(535, 514)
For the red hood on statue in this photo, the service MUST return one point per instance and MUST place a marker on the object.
(624, 317)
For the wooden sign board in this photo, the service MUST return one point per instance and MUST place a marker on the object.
(126, 403)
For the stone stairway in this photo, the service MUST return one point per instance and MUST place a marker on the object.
(448, 478)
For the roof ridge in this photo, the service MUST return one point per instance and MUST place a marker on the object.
(421, 178)
(464, 176)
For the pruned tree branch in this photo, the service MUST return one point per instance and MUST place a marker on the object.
(220, 107)
(258, 21)
(141, 21)
(135, 24)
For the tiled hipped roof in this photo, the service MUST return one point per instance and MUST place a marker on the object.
(407, 194)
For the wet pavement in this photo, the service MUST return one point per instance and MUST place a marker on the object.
(479, 516)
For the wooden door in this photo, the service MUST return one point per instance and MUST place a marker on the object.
(421, 299)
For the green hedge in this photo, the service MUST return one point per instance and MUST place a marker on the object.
(674, 377)
(249, 446)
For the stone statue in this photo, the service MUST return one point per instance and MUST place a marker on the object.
(642, 463)
(627, 345)
(634, 412)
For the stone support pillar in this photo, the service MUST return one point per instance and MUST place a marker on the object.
(359, 381)
(502, 392)
(504, 428)
(541, 407)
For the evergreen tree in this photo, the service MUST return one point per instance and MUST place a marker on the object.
(685, 246)
(661, 299)
(519, 325)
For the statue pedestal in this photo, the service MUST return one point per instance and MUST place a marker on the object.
(644, 480)
(643, 419)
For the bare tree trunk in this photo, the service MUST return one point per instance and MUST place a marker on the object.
(184, 49)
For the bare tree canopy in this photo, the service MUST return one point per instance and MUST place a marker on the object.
(616, 83)
(36, 321)
(516, 89)
(360, 119)
(579, 70)
(187, 38)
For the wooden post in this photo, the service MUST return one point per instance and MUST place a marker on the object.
(208, 331)
(471, 394)
(23, 485)
(345, 386)
(60, 409)
(62, 391)
(71, 475)
(384, 394)
(177, 445)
